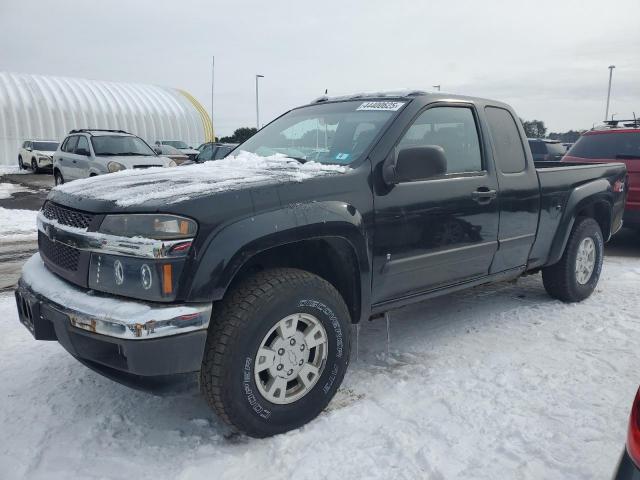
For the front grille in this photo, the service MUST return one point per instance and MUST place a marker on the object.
(59, 254)
(146, 166)
(66, 216)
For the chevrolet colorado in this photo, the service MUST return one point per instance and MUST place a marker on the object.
(250, 270)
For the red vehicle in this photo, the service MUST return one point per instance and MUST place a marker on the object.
(629, 464)
(614, 143)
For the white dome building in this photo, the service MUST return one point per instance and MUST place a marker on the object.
(37, 107)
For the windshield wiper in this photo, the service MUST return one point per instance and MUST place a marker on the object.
(301, 160)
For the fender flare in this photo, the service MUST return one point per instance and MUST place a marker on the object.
(580, 198)
(230, 247)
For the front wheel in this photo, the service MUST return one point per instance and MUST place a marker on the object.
(576, 275)
(34, 166)
(20, 163)
(58, 178)
(277, 350)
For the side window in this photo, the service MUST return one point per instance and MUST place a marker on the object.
(82, 144)
(510, 157)
(70, 144)
(221, 153)
(538, 147)
(452, 128)
(206, 153)
(25, 145)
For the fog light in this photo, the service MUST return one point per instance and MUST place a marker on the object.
(145, 275)
(118, 272)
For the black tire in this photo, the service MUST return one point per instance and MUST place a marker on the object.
(560, 280)
(20, 163)
(239, 326)
(34, 166)
(58, 178)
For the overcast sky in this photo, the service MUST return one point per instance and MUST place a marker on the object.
(547, 58)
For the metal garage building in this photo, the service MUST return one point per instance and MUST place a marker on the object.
(45, 108)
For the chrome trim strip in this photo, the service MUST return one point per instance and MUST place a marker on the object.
(84, 240)
(109, 315)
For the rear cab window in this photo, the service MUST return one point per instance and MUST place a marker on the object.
(507, 143)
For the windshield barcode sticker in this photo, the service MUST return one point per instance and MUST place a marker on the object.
(388, 106)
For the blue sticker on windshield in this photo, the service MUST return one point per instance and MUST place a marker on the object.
(343, 157)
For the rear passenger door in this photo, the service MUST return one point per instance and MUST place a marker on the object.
(519, 190)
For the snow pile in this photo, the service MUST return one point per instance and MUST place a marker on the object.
(18, 225)
(11, 170)
(8, 189)
(496, 382)
(133, 187)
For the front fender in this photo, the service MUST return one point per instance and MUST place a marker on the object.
(581, 197)
(228, 248)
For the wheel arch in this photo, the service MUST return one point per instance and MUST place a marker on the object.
(334, 249)
(591, 200)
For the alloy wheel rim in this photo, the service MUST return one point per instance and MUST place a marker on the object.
(291, 358)
(585, 260)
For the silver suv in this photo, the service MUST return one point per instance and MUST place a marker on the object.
(86, 153)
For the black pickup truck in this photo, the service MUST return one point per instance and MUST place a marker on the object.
(250, 270)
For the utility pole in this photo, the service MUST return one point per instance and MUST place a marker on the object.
(257, 103)
(213, 68)
(606, 113)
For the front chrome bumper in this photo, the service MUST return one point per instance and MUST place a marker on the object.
(103, 314)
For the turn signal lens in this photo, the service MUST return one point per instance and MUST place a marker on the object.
(167, 279)
(633, 436)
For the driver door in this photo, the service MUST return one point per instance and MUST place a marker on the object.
(440, 231)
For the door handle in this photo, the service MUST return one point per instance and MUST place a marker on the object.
(484, 195)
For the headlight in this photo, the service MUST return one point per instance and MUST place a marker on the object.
(172, 163)
(159, 227)
(115, 167)
(142, 278)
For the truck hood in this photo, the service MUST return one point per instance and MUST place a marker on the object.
(155, 187)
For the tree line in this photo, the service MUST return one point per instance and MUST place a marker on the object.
(537, 129)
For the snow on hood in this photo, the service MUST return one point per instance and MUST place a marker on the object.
(244, 170)
(48, 153)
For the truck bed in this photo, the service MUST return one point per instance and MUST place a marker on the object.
(558, 180)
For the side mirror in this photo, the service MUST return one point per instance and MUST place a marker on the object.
(82, 151)
(414, 163)
(157, 150)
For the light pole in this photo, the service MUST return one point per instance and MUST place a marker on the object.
(257, 104)
(213, 69)
(606, 113)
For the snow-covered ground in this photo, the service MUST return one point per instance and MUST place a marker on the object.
(17, 225)
(8, 189)
(495, 382)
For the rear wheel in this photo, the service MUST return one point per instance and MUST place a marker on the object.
(58, 178)
(277, 350)
(576, 275)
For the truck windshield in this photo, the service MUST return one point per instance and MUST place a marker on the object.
(337, 133)
(607, 145)
(120, 145)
